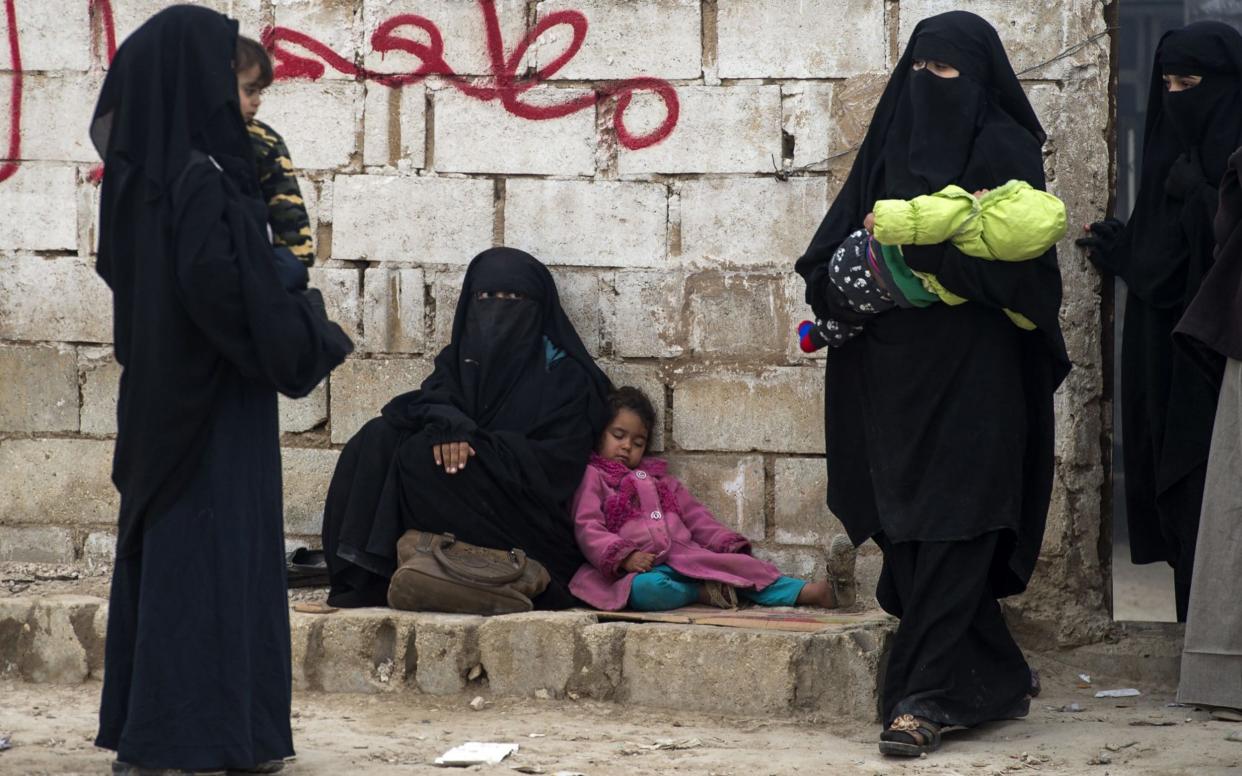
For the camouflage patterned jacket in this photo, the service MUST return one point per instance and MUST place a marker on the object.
(286, 211)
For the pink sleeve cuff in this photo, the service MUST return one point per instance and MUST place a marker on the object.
(732, 543)
(615, 555)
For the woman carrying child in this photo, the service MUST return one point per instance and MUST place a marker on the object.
(197, 659)
(652, 546)
(939, 417)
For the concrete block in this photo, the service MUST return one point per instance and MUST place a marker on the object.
(648, 379)
(29, 224)
(776, 410)
(460, 24)
(445, 290)
(580, 294)
(335, 23)
(750, 222)
(598, 223)
(801, 562)
(64, 643)
(100, 378)
(36, 544)
(61, 482)
(743, 123)
(39, 389)
(446, 649)
(306, 473)
(1031, 32)
(802, 514)
(361, 388)
(712, 669)
(319, 120)
(99, 551)
(806, 116)
(776, 39)
(737, 316)
(415, 220)
(15, 634)
(341, 296)
(393, 310)
(853, 104)
(56, 116)
(732, 487)
(659, 38)
(50, 300)
(643, 318)
(837, 674)
(357, 651)
(472, 136)
(525, 653)
(603, 653)
(54, 36)
(301, 415)
(395, 126)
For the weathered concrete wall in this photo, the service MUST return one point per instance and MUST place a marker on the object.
(666, 223)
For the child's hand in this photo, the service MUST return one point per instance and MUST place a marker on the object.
(869, 223)
(638, 562)
(979, 194)
(452, 455)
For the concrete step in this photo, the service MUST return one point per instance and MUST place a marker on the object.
(828, 674)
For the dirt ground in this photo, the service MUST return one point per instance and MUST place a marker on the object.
(52, 729)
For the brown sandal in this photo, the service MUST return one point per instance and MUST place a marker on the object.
(721, 595)
(909, 736)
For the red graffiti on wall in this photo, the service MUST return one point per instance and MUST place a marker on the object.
(504, 85)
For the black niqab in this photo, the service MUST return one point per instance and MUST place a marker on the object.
(515, 382)
(1167, 244)
(182, 244)
(939, 422)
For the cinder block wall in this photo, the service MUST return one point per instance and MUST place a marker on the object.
(674, 257)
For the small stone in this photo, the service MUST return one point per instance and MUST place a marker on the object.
(1235, 736)
(543, 695)
(475, 673)
(478, 703)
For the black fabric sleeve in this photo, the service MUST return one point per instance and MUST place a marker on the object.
(1032, 288)
(230, 287)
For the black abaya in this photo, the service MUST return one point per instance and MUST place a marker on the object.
(518, 385)
(939, 420)
(1167, 402)
(197, 658)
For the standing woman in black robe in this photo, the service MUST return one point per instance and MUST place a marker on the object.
(197, 658)
(1194, 122)
(939, 420)
(491, 448)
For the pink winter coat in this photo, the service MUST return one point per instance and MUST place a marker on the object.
(658, 516)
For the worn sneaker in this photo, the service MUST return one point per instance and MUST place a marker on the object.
(841, 561)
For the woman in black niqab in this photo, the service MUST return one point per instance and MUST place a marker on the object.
(1167, 402)
(939, 420)
(518, 387)
(197, 658)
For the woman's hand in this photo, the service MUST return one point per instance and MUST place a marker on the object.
(869, 223)
(638, 562)
(452, 455)
(979, 194)
(1101, 237)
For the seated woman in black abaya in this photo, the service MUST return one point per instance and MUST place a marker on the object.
(490, 448)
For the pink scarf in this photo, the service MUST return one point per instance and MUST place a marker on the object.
(622, 505)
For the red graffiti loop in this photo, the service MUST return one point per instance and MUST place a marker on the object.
(505, 85)
(9, 167)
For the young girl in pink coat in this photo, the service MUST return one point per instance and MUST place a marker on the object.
(652, 546)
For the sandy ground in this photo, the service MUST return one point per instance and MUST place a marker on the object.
(52, 729)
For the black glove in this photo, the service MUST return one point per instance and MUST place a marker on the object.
(1185, 177)
(293, 274)
(1102, 237)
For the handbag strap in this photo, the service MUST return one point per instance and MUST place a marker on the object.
(502, 578)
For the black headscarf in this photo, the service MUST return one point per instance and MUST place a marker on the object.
(495, 368)
(1167, 244)
(197, 301)
(977, 131)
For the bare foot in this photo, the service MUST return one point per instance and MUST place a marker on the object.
(817, 594)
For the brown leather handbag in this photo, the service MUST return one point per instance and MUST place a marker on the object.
(438, 573)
